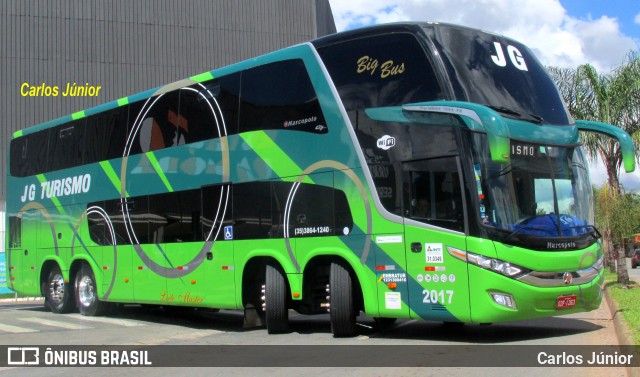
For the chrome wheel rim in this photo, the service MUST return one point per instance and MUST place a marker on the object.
(86, 293)
(56, 289)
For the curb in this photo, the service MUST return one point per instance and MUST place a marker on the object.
(623, 333)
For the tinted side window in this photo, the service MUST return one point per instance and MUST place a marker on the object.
(65, 145)
(410, 142)
(256, 210)
(187, 115)
(15, 232)
(260, 211)
(216, 211)
(226, 92)
(280, 96)
(319, 211)
(161, 126)
(175, 217)
(159, 218)
(383, 70)
(19, 165)
(29, 154)
(99, 230)
(432, 192)
(106, 135)
(252, 210)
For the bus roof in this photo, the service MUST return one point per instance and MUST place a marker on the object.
(392, 27)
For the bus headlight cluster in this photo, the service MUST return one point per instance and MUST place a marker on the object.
(496, 265)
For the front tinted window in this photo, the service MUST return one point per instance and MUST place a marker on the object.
(432, 192)
(385, 145)
(491, 70)
(381, 70)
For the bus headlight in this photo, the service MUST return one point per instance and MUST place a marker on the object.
(496, 265)
(503, 299)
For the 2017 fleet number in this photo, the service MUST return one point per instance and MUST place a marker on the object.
(435, 297)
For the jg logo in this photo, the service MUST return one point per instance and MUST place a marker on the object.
(23, 356)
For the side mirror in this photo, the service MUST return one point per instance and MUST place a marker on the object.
(626, 144)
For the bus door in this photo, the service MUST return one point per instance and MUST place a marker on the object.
(434, 222)
(24, 255)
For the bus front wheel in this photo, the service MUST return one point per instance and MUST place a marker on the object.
(341, 301)
(275, 300)
(58, 295)
(87, 294)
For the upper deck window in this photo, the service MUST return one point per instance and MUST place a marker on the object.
(280, 96)
(381, 70)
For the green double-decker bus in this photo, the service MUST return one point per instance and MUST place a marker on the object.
(413, 170)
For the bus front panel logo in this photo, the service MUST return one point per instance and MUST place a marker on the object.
(386, 142)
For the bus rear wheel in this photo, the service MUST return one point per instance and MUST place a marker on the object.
(58, 295)
(86, 290)
(341, 301)
(275, 300)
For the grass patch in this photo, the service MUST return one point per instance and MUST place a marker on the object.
(628, 299)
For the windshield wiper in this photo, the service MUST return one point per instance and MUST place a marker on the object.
(590, 230)
(512, 113)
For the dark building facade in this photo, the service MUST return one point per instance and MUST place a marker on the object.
(113, 48)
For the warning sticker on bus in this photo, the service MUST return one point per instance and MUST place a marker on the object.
(434, 252)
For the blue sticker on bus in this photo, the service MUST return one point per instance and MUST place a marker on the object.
(228, 232)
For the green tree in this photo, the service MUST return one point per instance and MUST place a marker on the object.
(617, 217)
(615, 99)
(610, 98)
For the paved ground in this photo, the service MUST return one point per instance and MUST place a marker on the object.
(599, 328)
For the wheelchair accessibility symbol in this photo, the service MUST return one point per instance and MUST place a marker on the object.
(228, 232)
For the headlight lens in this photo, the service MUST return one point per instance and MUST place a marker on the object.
(496, 265)
(504, 299)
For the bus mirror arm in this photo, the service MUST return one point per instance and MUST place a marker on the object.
(626, 143)
(476, 117)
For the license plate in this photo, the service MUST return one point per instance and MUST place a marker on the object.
(563, 302)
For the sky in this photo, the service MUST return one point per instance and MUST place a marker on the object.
(564, 33)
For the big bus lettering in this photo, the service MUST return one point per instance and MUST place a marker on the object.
(387, 68)
(366, 63)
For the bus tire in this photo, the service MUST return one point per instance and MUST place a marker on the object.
(86, 290)
(341, 302)
(275, 297)
(58, 295)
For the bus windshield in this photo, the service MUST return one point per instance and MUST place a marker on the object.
(498, 72)
(544, 192)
